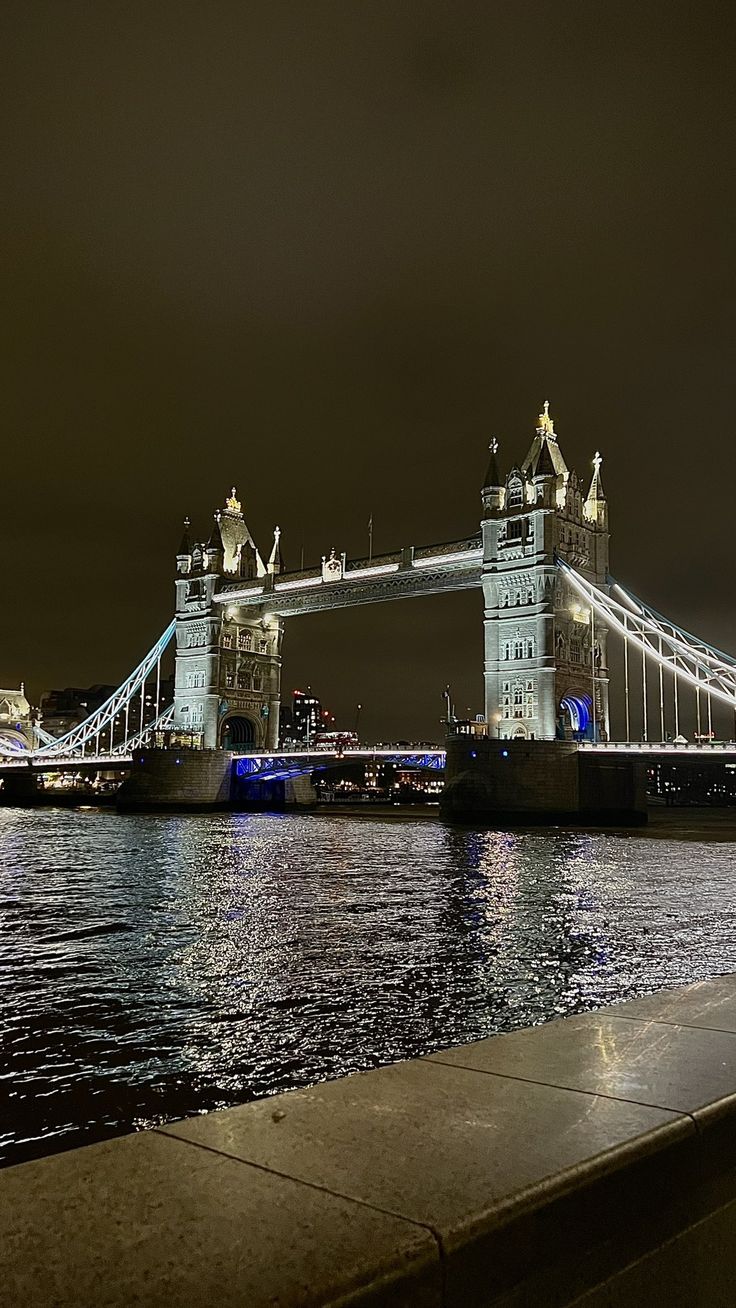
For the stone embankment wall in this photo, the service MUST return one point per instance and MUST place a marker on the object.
(587, 1162)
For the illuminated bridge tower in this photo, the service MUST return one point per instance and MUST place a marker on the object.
(228, 663)
(546, 671)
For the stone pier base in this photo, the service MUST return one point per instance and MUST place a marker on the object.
(537, 782)
(169, 779)
(21, 788)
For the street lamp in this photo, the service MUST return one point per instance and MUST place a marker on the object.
(449, 708)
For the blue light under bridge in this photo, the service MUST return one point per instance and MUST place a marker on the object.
(280, 767)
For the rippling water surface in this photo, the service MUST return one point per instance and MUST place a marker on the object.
(154, 967)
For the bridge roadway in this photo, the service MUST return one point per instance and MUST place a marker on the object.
(273, 765)
(288, 763)
(340, 583)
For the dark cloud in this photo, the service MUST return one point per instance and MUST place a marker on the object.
(325, 251)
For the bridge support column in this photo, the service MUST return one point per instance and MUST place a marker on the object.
(170, 779)
(20, 787)
(535, 782)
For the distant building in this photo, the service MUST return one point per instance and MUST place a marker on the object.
(62, 710)
(306, 717)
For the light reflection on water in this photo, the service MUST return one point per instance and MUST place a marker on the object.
(155, 967)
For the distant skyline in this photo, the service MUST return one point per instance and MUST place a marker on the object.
(325, 253)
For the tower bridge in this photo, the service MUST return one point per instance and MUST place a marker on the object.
(541, 562)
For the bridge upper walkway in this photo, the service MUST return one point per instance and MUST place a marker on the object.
(340, 583)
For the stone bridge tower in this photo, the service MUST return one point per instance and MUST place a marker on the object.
(546, 671)
(228, 664)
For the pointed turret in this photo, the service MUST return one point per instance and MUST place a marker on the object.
(595, 508)
(493, 475)
(184, 553)
(236, 537)
(186, 543)
(215, 541)
(493, 487)
(544, 447)
(215, 549)
(275, 562)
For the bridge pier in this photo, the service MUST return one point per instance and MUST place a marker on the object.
(163, 780)
(170, 779)
(21, 788)
(540, 783)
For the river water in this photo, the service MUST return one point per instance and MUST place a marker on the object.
(153, 967)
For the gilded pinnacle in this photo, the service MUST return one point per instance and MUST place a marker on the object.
(546, 424)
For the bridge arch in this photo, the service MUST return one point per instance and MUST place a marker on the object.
(576, 715)
(13, 742)
(239, 729)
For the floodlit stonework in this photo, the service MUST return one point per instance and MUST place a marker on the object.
(546, 672)
(546, 669)
(16, 727)
(228, 659)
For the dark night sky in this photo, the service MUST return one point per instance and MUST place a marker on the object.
(325, 251)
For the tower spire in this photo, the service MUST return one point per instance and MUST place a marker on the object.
(275, 562)
(594, 508)
(186, 545)
(545, 424)
(493, 475)
(545, 456)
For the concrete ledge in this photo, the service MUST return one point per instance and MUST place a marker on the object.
(588, 1161)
